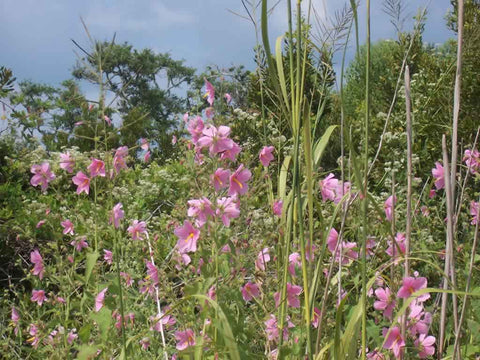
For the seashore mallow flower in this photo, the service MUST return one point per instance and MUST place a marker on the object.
(220, 179)
(386, 302)
(438, 173)
(137, 230)
(83, 183)
(216, 140)
(79, 243)
(227, 208)
(388, 206)
(66, 162)
(262, 258)
(99, 299)
(238, 181)
(250, 291)
(200, 209)
(266, 155)
(277, 207)
(187, 237)
(38, 296)
(96, 168)
(185, 339)
(117, 215)
(425, 345)
(412, 284)
(293, 293)
(394, 341)
(475, 212)
(37, 261)
(209, 92)
(67, 227)
(42, 175)
(328, 187)
(108, 256)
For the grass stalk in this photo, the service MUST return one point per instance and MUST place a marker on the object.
(365, 191)
(456, 349)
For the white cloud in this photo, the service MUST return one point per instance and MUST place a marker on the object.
(139, 16)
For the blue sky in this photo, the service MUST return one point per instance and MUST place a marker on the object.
(36, 34)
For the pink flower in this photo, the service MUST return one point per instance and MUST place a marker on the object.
(327, 187)
(425, 346)
(38, 296)
(37, 261)
(144, 144)
(66, 162)
(293, 292)
(40, 223)
(332, 240)
(200, 209)
(108, 256)
(145, 343)
(386, 302)
(249, 291)
(228, 98)
(209, 112)
(341, 190)
(238, 181)
(128, 278)
(220, 178)
(147, 156)
(83, 183)
(119, 159)
(15, 317)
(187, 237)
(174, 139)
(227, 208)
(472, 160)
(418, 320)
(393, 247)
(272, 329)
(389, 206)
(79, 243)
(72, 335)
(277, 207)
(152, 272)
(439, 173)
(411, 285)
(181, 259)
(67, 227)
(195, 128)
(295, 260)
(231, 154)
(474, 211)
(262, 258)
(316, 317)
(99, 299)
(266, 155)
(42, 175)
(35, 338)
(394, 341)
(209, 92)
(96, 168)
(215, 139)
(117, 215)
(185, 339)
(107, 120)
(137, 230)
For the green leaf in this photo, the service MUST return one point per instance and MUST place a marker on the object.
(84, 333)
(91, 261)
(103, 318)
(322, 144)
(86, 352)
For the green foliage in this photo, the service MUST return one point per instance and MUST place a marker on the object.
(145, 84)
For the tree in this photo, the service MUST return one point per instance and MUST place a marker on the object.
(145, 83)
